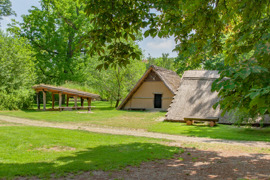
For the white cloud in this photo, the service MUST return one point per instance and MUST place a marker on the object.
(161, 44)
(156, 46)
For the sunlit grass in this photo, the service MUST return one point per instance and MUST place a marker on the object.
(34, 151)
(104, 115)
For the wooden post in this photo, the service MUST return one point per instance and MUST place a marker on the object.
(89, 104)
(53, 99)
(75, 102)
(212, 123)
(38, 100)
(60, 101)
(63, 98)
(82, 100)
(44, 100)
(67, 100)
(189, 122)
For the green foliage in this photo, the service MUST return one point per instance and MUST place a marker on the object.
(208, 61)
(164, 61)
(47, 152)
(79, 86)
(5, 8)
(17, 73)
(114, 84)
(231, 31)
(113, 31)
(247, 90)
(56, 32)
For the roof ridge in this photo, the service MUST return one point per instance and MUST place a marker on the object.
(170, 79)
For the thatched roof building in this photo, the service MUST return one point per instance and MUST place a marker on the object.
(194, 97)
(155, 90)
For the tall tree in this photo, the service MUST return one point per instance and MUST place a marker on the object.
(56, 32)
(244, 24)
(113, 84)
(165, 61)
(17, 73)
(5, 8)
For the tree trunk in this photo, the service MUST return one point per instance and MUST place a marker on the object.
(117, 103)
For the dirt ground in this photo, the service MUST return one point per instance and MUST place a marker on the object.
(192, 164)
(202, 158)
(214, 162)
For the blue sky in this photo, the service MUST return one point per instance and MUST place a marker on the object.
(153, 46)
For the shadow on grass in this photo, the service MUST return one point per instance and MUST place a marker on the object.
(191, 164)
(227, 132)
(231, 133)
(98, 158)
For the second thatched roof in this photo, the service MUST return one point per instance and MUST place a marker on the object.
(194, 97)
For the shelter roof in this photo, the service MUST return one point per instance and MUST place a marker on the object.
(72, 92)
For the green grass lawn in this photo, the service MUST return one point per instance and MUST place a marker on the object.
(104, 115)
(34, 151)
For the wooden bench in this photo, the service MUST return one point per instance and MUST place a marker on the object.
(212, 120)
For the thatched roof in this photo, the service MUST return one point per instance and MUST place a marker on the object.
(194, 96)
(170, 78)
(72, 92)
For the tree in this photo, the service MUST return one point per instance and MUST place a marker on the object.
(184, 61)
(113, 84)
(245, 25)
(56, 32)
(164, 61)
(17, 73)
(5, 8)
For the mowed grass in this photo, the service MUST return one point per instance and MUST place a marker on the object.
(36, 151)
(228, 132)
(104, 115)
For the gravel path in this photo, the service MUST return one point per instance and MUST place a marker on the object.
(130, 132)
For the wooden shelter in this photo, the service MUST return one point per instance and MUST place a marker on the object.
(155, 90)
(194, 97)
(64, 92)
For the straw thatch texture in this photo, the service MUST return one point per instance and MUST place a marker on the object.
(194, 97)
(170, 78)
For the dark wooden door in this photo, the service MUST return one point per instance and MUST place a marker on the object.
(158, 101)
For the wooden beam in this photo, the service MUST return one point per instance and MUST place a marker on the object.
(89, 104)
(75, 102)
(38, 100)
(44, 100)
(60, 101)
(82, 100)
(53, 100)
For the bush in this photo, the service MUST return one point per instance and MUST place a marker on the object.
(17, 73)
